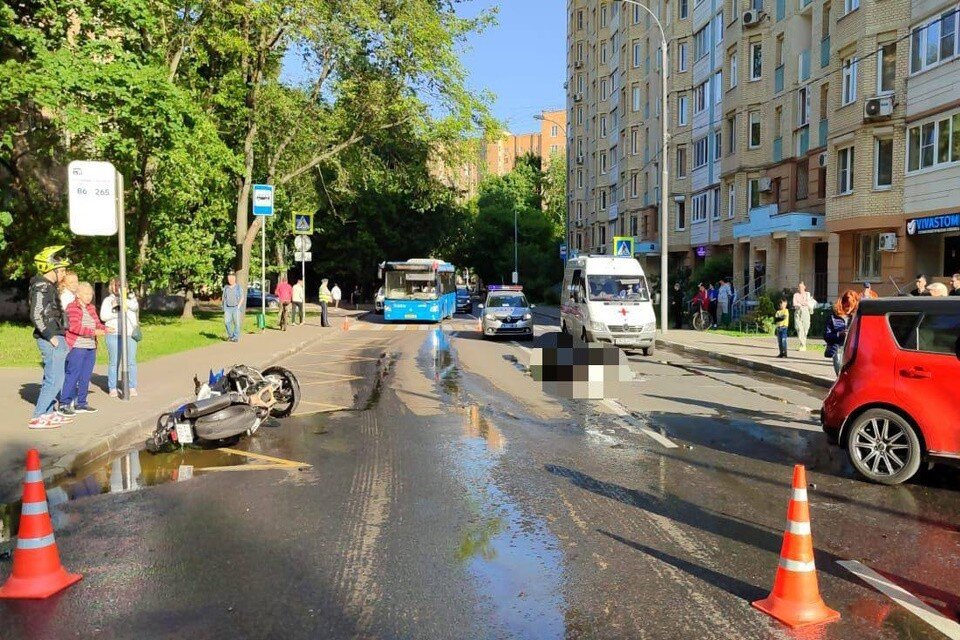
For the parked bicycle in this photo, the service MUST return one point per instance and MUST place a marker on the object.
(700, 318)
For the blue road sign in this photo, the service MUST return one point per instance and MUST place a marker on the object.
(563, 252)
(263, 199)
(623, 246)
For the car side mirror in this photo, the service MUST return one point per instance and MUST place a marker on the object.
(480, 306)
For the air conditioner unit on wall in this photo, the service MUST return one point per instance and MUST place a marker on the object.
(822, 159)
(578, 64)
(578, 97)
(751, 17)
(579, 159)
(880, 107)
(887, 242)
(765, 184)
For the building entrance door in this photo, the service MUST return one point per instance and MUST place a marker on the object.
(820, 268)
(951, 255)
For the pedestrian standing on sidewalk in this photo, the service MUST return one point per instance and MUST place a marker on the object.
(68, 289)
(83, 329)
(325, 299)
(49, 331)
(868, 292)
(803, 306)
(284, 293)
(725, 301)
(336, 294)
(233, 308)
(782, 323)
(676, 305)
(110, 314)
(921, 288)
(355, 297)
(712, 297)
(835, 332)
(298, 301)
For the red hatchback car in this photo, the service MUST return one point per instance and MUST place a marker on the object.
(897, 399)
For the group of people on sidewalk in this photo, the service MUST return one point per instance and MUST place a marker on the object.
(66, 327)
(717, 300)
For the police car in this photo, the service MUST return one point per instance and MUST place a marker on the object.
(506, 312)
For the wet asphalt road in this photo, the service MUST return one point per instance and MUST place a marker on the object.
(455, 499)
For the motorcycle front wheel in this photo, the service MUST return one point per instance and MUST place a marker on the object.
(288, 395)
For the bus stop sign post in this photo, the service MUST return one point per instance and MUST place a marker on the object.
(95, 193)
(263, 206)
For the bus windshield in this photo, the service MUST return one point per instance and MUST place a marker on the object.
(411, 285)
(618, 288)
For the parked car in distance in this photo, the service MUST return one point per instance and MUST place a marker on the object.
(894, 403)
(254, 299)
(378, 301)
(464, 300)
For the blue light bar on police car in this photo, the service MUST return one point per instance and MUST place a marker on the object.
(505, 287)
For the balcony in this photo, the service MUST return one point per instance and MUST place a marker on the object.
(803, 66)
(823, 133)
(781, 9)
(764, 221)
(804, 4)
(825, 52)
(803, 141)
(778, 80)
(777, 149)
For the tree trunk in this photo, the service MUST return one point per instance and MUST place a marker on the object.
(188, 304)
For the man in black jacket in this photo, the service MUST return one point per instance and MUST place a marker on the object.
(49, 331)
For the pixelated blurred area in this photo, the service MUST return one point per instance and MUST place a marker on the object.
(569, 368)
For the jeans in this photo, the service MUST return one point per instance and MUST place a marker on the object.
(54, 360)
(113, 368)
(76, 379)
(233, 320)
(298, 312)
(284, 311)
(323, 314)
(782, 340)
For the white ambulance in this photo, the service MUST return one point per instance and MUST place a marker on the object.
(606, 299)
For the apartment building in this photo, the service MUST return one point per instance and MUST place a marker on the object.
(548, 143)
(809, 139)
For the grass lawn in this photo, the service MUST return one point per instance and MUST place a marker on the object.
(812, 345)
(162, 335)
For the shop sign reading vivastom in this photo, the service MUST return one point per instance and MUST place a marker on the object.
(933, 224)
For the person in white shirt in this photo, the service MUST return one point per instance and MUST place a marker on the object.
(298, 300)
(68, 289)
(803, 306)
(336, 294)
(110, 315)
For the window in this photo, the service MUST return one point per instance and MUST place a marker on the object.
(850, 5)
(754, 129)
(636, 14)
(754, 184)
(718, 29)
(868, 256)
(701, 42)
(682, 108)
(732, 134)
(681, 210)
(849, 81)
(580, 178)
(934, 41)
(803, 106)
(603, 126)
(604, 93)
(580, 83)
(580, 19)
(777, 122)
(635, 90)
(938, 332)
(633, 225)
(717, 145)
(553, 131)
(934, 144)
(756, 61)
(700, 207)
(633, 185)
(757, 5)
(580, 146)
(579, 52)
(603, 207)
(603, 162)
(683, 9)
(700, 98)
(554, 148)
(718, 87)
(731, 200)
(580, 116)
(716, 203)
(681, 161)
(634, 141)
(733, 69)
(603, 15)
(886, 67)
(700, 152)
(803, 180)
(845, 158)
(636, 54)
(682, 56)
(883, 163)
(603, 52)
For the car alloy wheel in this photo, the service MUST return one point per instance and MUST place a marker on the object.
(883, 447)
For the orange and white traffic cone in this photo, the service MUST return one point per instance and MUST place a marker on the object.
(346, 324)
(795, 599)
(37, 572)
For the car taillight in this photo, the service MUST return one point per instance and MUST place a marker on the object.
(852, 342)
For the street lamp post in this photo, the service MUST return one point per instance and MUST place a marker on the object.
(664, 171)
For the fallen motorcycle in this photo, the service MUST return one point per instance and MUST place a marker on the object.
(231, 404)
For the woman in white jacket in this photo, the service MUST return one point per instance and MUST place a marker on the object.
(110, 314)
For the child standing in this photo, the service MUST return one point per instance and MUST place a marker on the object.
(782, 319)
(83, 327)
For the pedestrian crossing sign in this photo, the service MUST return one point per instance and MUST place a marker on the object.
(303, 223)
(623, 246)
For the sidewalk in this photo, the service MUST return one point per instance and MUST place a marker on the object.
(163, 383)
(758, 353)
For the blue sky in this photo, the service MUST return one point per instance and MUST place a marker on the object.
(522, 59)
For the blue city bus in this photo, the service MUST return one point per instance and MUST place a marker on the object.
(419, 289)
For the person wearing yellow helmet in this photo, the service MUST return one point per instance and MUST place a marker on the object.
(46, 313)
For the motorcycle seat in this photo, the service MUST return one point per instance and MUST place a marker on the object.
(201, 408)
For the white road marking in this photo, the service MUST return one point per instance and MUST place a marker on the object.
(904, 598)
(630, 423)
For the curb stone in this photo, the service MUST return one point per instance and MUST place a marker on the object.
(810, 378)
(134, 431)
